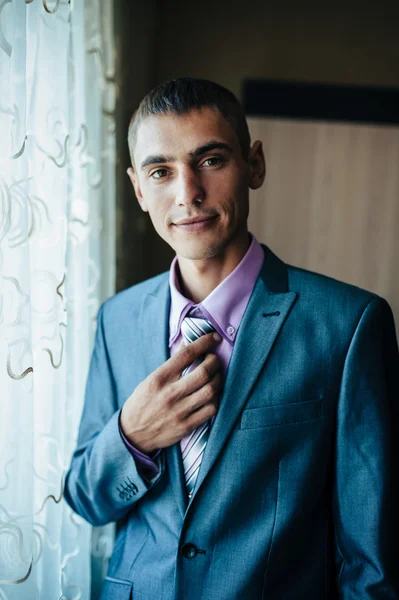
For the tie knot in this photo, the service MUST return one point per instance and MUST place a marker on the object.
(193, 328)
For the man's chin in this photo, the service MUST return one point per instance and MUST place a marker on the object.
(199, 252)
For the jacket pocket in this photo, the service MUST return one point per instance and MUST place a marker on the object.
(281, 414)
(116, 589)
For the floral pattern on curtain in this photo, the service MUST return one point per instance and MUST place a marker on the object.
(57, 262)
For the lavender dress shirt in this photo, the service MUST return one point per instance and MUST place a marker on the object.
(223, 307)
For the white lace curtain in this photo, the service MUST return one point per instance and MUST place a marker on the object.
(57, 163)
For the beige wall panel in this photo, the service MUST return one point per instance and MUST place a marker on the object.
(330, 202)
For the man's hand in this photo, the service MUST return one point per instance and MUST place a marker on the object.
(165, 407)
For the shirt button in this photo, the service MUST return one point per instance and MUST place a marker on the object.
(230, 329)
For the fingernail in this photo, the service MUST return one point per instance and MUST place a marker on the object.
(217, 337)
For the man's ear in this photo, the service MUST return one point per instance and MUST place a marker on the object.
(257, 166)
(137, 190)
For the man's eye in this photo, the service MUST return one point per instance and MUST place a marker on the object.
(213, 161)
(159, 174)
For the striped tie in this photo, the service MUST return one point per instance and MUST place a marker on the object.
(193, 445)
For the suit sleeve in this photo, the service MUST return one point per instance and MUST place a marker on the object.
(103, 482)
(365, 498)
(146, 464)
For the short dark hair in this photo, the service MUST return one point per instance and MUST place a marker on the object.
(181, 95)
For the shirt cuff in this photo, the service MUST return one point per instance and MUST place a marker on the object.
(146, 466)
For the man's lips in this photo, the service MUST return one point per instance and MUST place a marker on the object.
(196, 223)
(194, 220)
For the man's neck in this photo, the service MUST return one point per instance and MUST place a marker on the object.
(198, 278)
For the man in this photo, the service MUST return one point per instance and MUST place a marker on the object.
(256, 459)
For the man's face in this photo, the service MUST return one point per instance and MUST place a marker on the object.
(191, 177)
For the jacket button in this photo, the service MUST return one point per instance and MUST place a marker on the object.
(189, 550)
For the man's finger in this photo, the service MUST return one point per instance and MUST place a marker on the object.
(186, 355)
(201, 375)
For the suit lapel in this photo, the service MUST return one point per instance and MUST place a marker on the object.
(154, 326)
(267, 309)
(154, 329)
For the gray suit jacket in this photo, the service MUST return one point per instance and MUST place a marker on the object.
(297, 491)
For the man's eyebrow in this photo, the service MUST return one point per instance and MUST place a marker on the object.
(161, 158)
(156, 160)
(212, 145)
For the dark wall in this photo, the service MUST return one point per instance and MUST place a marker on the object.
(140, 253)
(346, 41)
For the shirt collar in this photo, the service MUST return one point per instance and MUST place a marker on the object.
(226, 304)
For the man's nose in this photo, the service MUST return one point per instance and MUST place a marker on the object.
(189, 189)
